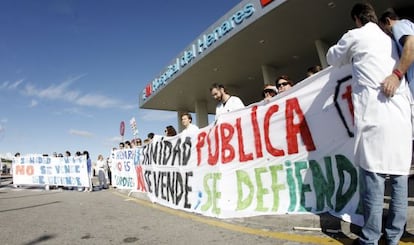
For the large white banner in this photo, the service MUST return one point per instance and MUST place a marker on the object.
(293, 154)
(56, 171)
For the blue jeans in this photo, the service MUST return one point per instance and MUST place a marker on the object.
(372, 194)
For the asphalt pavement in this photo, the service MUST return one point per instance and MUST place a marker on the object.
(323, 225)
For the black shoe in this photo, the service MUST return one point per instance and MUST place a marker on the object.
(356, 242)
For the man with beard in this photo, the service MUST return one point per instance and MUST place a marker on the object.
(227, 102)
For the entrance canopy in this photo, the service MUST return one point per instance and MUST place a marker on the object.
(253, 44)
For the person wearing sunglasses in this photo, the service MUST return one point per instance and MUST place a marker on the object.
(269, 91)
(283, 83)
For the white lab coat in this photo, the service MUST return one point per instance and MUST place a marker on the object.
(232, 104)
(191, 129)
(383, 126)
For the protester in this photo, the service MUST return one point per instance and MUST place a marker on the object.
(89, 168)
(269, 91)
(187, 122)
(109, 169)
(403, 32)
(136, 142)
(101, 165)
(227, 102)
(68, 154)
(283, 83)
(383, 147)
(170, 131)
(15, 159)
(313, 70)
(149, 138)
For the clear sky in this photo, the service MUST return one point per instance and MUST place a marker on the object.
(72, 70)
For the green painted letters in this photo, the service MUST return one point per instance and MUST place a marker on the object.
(324, 187)
(212, 194)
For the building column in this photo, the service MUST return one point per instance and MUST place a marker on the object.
(322, 49)
(180, 125)
(269, 74)
(201, 113)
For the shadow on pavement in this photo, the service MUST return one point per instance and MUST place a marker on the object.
(32, 206)
(40, 239)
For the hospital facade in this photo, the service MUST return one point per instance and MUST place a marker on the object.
(252, 45)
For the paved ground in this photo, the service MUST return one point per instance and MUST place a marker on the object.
(323, 225)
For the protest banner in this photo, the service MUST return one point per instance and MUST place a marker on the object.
(38, 170)
(123, 168)
(293, 154)
(134, 128)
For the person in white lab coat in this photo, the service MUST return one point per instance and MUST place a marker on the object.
(382, 123)
(187, 122)
(226, 102)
